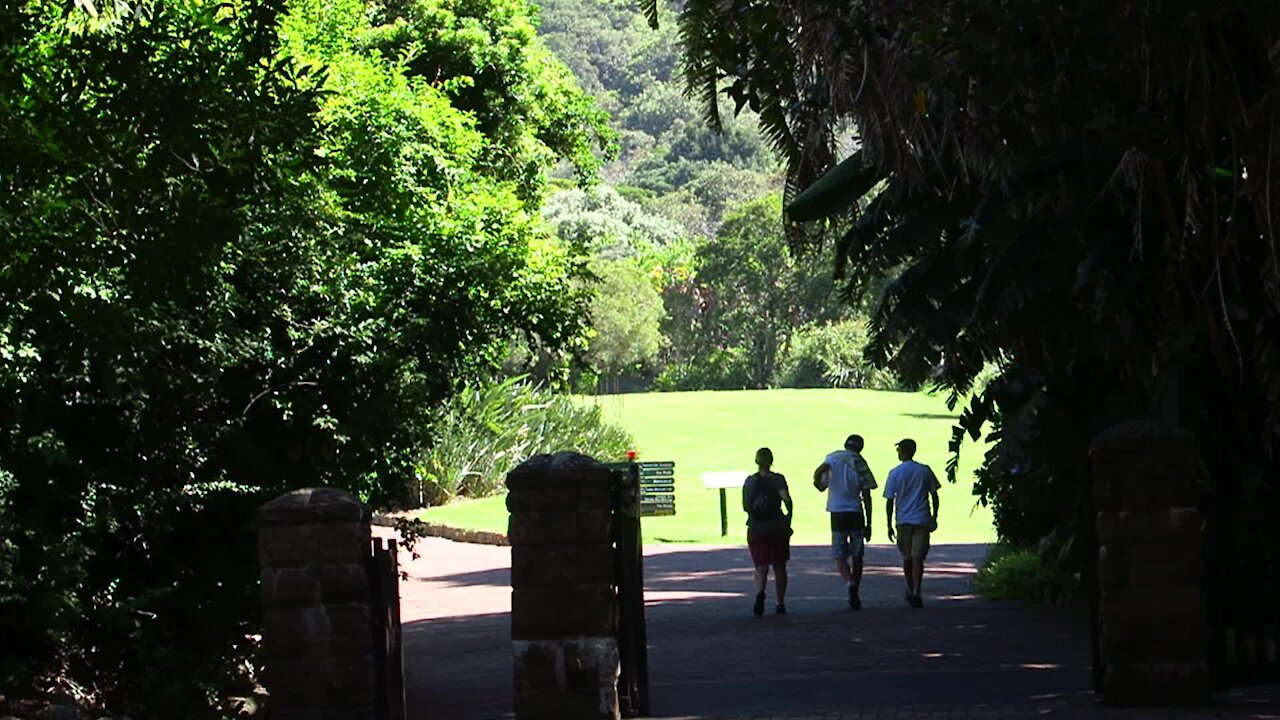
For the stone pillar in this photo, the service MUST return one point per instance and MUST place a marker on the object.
(1153, 623)
(317, 638)
(563, 609)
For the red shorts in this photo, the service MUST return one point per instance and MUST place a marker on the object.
(768, 548)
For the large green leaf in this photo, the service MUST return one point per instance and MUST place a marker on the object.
(834, 192)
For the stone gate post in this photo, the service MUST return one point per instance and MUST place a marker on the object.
(1154, 630)
(317, 640)
(563, 609)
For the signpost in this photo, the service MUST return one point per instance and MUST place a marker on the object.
(722, 480)
(656, 493)
(657, 488)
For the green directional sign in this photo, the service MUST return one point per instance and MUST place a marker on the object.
(657, 488)
(655, 464)
(663, 505)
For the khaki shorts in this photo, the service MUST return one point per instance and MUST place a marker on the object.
(913, 541)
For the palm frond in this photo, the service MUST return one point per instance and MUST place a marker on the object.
(701, 73)
(650, 10)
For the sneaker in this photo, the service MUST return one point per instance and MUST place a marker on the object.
(910, 598)
(758, 610)
(781, 609)
(855, 602)
(917, 601)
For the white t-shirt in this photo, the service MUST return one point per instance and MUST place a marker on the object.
(909, 485)
(848, 478)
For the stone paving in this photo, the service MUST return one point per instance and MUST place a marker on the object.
(960, 657)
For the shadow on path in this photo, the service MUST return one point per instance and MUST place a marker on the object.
(709, 656)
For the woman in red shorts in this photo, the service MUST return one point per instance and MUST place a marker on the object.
(768, 528)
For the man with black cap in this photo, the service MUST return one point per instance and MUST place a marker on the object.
(909, 484)
(848, 482)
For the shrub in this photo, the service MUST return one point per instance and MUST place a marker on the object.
(719, 370)
(486, 431)
(832, 355)
(1015, 573)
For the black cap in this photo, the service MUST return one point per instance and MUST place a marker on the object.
(907, 443)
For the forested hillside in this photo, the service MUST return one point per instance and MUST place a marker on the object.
(669, 159)
(695, 210)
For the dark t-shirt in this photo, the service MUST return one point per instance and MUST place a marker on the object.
(775, 524)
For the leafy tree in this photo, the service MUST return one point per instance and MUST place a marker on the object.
(634, 70)
(606, 224)
(243, 253)
(625, 317)
(486, 56)
(756, 292)
(688, 149)
(1090, 211)
(832, 355)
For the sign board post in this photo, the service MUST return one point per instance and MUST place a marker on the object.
(657, 488)
(721, 481)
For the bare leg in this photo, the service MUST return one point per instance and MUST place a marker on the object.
(855, 571)
(780, 582)
(842, 567)
(762, 578)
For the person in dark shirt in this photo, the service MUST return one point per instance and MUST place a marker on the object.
(764, 495)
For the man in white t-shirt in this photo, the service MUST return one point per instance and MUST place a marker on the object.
(909, 484)
(848, 482)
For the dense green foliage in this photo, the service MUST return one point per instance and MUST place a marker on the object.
(484, 432)
(625, 317)
(734, 299)
(608, 225)
(1093, 215)
(682, 169)
(244, 250)
(1012, 573)
(732, 305)
(757, 292)
(833, 355)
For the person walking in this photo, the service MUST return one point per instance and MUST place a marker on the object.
(768, 529)
(906, 490)
(848, 482)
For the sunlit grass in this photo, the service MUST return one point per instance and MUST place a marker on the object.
(720, 431)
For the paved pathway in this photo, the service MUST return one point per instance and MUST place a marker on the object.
(960, 657)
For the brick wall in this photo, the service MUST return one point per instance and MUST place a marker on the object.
(317, 642)
(1154, 629)
(564, 613)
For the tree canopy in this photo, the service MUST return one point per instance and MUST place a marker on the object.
(246, 247)
(664, 147)
(625, 318)
(757, 292)
(1090, 211)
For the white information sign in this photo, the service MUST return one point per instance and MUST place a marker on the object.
(725, 478)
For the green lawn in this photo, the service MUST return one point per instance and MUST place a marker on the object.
(714, 431)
